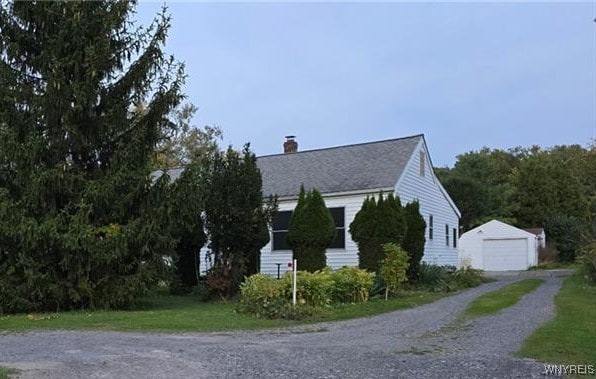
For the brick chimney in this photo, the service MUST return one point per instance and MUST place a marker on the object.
(290, 146)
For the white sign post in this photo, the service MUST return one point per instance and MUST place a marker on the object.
(294, 266)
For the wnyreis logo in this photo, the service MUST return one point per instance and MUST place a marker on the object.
(560, 370)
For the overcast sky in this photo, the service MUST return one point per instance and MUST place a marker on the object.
(467, 75)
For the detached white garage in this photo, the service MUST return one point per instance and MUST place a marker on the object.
(496, 246)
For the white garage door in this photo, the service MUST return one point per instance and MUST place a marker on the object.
(505, 254)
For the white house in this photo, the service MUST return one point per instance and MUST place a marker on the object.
(345, 176)
(496, 246)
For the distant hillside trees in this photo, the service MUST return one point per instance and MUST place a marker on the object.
(527, 187)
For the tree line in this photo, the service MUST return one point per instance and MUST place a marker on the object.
(554, 188)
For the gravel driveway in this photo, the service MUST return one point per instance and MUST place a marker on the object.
(424, 342)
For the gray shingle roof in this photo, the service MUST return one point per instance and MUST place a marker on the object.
(363, 166)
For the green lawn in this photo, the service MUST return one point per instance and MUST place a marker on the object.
(570, 338)
(507, 296)
(187, 313)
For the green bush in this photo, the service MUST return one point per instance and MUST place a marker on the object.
(448, 278)
(312, 289)
(351, 285)
(376, 223)
(264, 296)
(565, 233)
(433, 277)
(414, 238)
(587, 260)
(311, 230)
(467, 278)
(394, 268)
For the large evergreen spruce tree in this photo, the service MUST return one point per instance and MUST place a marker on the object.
(311, 231)
(82, 224)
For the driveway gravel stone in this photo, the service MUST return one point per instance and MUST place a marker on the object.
(430, 341)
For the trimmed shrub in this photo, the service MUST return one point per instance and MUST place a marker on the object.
(313, 289)
(351, 285)
(264, 296)
(414, 238)
(376, 223)
(392, 223)
(311, 231)
(394, 268)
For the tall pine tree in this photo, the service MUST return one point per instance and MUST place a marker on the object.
(82, 223)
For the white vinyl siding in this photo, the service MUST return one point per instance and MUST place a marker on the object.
(426, 188)
(336, 258)
(430, 226)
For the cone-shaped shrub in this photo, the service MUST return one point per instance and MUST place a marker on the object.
(376, 223)
(414, 239)
(311, 231)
